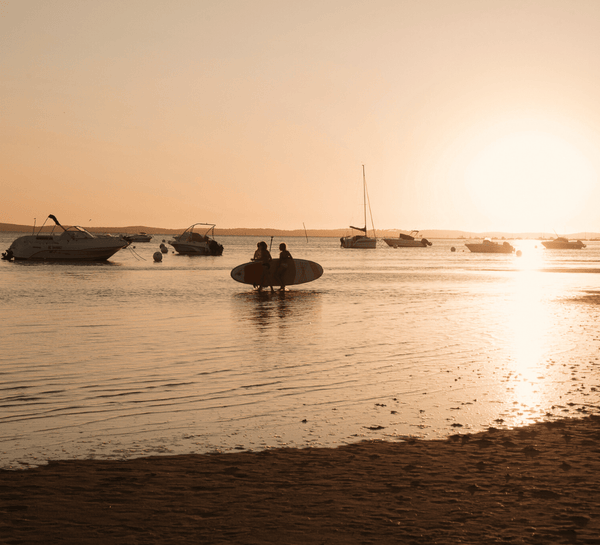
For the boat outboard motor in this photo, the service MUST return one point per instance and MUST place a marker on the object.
(215, 248)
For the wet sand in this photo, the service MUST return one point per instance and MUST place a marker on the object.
(539, 484)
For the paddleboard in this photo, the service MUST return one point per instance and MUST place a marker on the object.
(299, 271)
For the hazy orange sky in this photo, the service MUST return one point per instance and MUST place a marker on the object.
(467, 114)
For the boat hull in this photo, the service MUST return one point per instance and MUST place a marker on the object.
(359, 242)
(57, 248)
(554, 245)
(400, 243)
(491, 248)
(191, 248)
(138, 238)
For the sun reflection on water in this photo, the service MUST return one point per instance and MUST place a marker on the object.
(530, 255)
(528, 324)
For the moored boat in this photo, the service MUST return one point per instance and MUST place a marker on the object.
(191, 242)
(489, 247)
(561, 243)
(407, 241)
(363, 241)
(139, 237)
(73, 244)
(358, 241)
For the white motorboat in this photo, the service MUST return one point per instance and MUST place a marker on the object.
(191, 242)
(73, 244)
(561, 243)
(407, 241)
(489, 247)
(139, 237)
(361, 241)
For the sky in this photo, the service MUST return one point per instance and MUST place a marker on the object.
(476, 115)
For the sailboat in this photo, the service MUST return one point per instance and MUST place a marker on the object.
(361, 241)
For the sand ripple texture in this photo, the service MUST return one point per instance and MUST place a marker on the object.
(132, 358)
(537, 484)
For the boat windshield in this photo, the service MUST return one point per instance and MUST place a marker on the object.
(77, 232)
(210, 228)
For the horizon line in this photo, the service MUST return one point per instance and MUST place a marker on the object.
(333, 232)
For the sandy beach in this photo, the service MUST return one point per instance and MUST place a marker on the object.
(531, 485)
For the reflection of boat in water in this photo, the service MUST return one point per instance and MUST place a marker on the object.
(489, 247)
(74, 243)
(561, 243)
(361, 241)
(139, 237)
(407, 241)
(194, 243)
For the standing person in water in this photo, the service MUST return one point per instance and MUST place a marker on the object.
(285, 259)
(256, 258)
(264, 256)
(257, 252)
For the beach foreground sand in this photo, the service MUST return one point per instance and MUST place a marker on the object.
(539, 484)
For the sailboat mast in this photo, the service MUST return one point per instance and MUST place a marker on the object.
(365, 200)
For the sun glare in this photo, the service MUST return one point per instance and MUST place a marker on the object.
(530, 181)
(526, 336)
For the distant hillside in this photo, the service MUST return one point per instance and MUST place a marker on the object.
(336, 233)
(11, 227)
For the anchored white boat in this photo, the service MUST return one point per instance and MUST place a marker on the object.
(191, 242)
(489, 247)
(561, 243)
(74, 244)
(139, 237)
(361, 241)
(407, 241)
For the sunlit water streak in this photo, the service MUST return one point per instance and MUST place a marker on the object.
(132, 357)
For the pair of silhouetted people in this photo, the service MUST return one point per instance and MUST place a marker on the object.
(263, 255)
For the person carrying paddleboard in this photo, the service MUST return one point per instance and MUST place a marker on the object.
(264, 256)
(285, 259)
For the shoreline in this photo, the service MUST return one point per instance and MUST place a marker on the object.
(536, 484)
(433, 234)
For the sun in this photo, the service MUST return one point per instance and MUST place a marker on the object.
(530, 180)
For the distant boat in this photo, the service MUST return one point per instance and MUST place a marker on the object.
(73, 244)
(191, 242)
(561, 243)
(407, 241)
(489, 247)
(139, 237)
(361, 241)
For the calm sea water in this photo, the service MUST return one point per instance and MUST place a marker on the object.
(132, 358)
